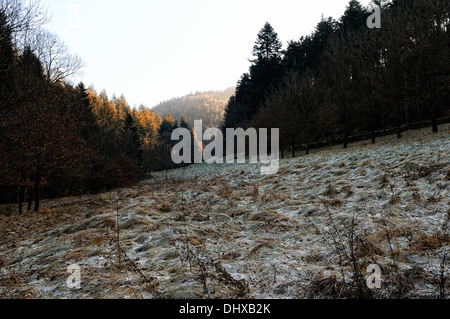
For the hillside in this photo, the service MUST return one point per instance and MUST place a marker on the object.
(207, 106)
(223, 231)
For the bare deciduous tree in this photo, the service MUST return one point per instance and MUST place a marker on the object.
(23, 18)
(58, 63)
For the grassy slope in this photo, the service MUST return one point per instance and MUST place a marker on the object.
(226, 231)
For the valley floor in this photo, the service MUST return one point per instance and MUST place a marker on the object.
(225, 231)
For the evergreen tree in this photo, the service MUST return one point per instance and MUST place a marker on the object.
(265, 73)
(82, 106)
(132, 142)
(353, 20)
(167, 127)
(266, 70)
(267, 46)
(306, 53)
(184, 123)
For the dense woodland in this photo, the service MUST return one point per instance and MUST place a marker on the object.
(58, 139)
(344, 79)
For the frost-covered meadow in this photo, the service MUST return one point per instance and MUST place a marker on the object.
(225, 231)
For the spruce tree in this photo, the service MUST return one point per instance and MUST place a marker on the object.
(267, 46)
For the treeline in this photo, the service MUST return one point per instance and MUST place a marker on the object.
(208, 106)
(57, 139)
(347, 79)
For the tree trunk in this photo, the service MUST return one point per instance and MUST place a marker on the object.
(419, 115)
(399, 130)
(346, 136)
(383, 121)
(407, 117)
(372, 126)
(308, 141)
(20, 193)
(372, 123)
(399, 119)
(36, 192)
(434, 121)
(30, 199)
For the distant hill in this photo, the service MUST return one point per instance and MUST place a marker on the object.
(208, 106)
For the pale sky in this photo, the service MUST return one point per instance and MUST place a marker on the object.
(151, 51)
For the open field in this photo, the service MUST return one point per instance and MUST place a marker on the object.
(225, 231)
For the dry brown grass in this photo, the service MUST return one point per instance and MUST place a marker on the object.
(416, 171)
(384, 182)
(270, 218)
(318, 166)
(255, 192)
(424, 242)
(331, 287)
(407, 231)
(325, 287)
(76, 254)
(330, 191)
(180, 217)
(165, 207)
(200, 217)
(91, 236)
(332, 202)
(315, 257)
(225, 191)
(193, 240)
(395, 199)
(365, 163)
(346, 191)
(109, 222)
(3, 262)
(233, 255)
(270, 196)
(364, 248)
(138, 222)
(211, 272)
(434, 199)
(263, 243)
(416, 198)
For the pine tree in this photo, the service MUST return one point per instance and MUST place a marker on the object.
(267, 46)
(265, 73)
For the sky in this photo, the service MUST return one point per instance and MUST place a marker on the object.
(151, 51)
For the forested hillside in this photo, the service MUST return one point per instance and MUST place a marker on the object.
(207, 106)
